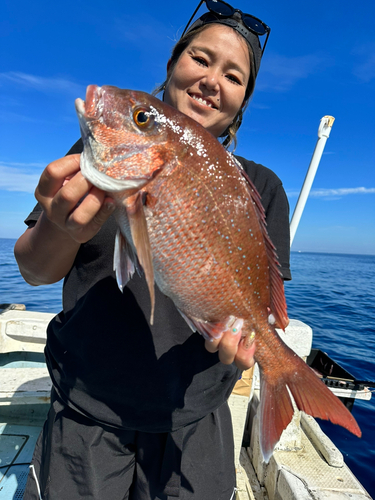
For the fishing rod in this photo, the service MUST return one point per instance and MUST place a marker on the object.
(323, 133)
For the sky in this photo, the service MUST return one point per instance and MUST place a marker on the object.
(319, 60)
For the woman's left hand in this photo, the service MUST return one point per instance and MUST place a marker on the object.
(233, 348)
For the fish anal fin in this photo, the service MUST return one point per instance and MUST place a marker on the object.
(139, 232)
(309, 393)
(124, 260)
(213, 330)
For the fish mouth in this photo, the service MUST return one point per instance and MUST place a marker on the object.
(93, 106)
(207, 101)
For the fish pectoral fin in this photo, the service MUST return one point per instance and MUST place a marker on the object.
(213, 330)
(124, 260)
(139, 232)
(308, 391)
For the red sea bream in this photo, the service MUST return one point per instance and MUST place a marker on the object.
(196, 223)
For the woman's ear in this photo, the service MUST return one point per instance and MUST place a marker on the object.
(168, 64)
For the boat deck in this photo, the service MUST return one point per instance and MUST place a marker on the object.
(305, 465)
(16, 450)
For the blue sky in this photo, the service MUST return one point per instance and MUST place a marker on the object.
(320, 60)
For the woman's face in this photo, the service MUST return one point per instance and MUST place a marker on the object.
(209, 80)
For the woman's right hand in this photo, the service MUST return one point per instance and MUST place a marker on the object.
(73, 212)
(71, 202)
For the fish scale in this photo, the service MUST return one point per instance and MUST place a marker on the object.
(197, 226)
(191, 245)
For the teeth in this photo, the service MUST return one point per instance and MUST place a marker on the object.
(203, 101)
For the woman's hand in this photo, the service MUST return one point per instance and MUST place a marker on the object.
(71, 202)
(233, 347)
(73, 212)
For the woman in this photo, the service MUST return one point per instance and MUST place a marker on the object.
(139, 411)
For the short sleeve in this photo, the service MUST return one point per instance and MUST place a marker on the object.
(33, 216)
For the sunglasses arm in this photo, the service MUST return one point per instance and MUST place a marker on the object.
(188, 24)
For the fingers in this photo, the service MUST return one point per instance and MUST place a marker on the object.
(70, 201)
(86, 220)
(227, 345)
(60, 188)
(69, 197)
(54, 175)
(244, 358)
(233, 347)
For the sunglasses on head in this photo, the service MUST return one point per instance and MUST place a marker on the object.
(224, 10)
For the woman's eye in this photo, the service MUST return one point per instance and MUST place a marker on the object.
(234, 79)
(200, 60)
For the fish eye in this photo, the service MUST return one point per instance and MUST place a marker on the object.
(142, 118)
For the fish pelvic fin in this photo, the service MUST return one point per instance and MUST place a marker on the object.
(124, 260)
(139, 232)
(310, 394)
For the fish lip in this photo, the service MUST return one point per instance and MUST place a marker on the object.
(94, 101)
(205, 98)
(92, 107)
(80, 106)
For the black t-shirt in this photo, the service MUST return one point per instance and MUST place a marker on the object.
(108, 362)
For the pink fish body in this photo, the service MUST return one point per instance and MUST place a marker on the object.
(196, 223)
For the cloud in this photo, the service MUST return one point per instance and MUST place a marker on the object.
(259, 105)
(10, 117)
(336, 193)
(279, 73)
(18, 177)
(41, 83)
(364, 67)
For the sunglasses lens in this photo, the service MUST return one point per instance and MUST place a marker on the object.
(254, 24)
(220, 8)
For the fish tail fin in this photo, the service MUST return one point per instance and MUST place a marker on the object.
(310, 395)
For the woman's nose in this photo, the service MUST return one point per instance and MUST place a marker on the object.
(211, 79)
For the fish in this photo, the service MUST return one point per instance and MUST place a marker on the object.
(190, 218)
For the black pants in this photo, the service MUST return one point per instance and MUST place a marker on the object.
(75, 458)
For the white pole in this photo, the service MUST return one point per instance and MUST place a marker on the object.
(323, 133)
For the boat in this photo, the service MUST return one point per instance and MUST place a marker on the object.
(305, 465)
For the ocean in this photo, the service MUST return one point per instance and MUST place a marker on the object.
(333, 293)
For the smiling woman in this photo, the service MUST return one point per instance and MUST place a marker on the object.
(139, 408)
(209, 81)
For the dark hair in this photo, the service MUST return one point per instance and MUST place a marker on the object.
(230, 133)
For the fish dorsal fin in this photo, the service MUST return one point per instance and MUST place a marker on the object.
(139, 232)
(278, 303)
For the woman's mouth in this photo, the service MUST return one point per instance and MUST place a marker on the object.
(202, 100)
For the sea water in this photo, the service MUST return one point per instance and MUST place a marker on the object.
(333, 293)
